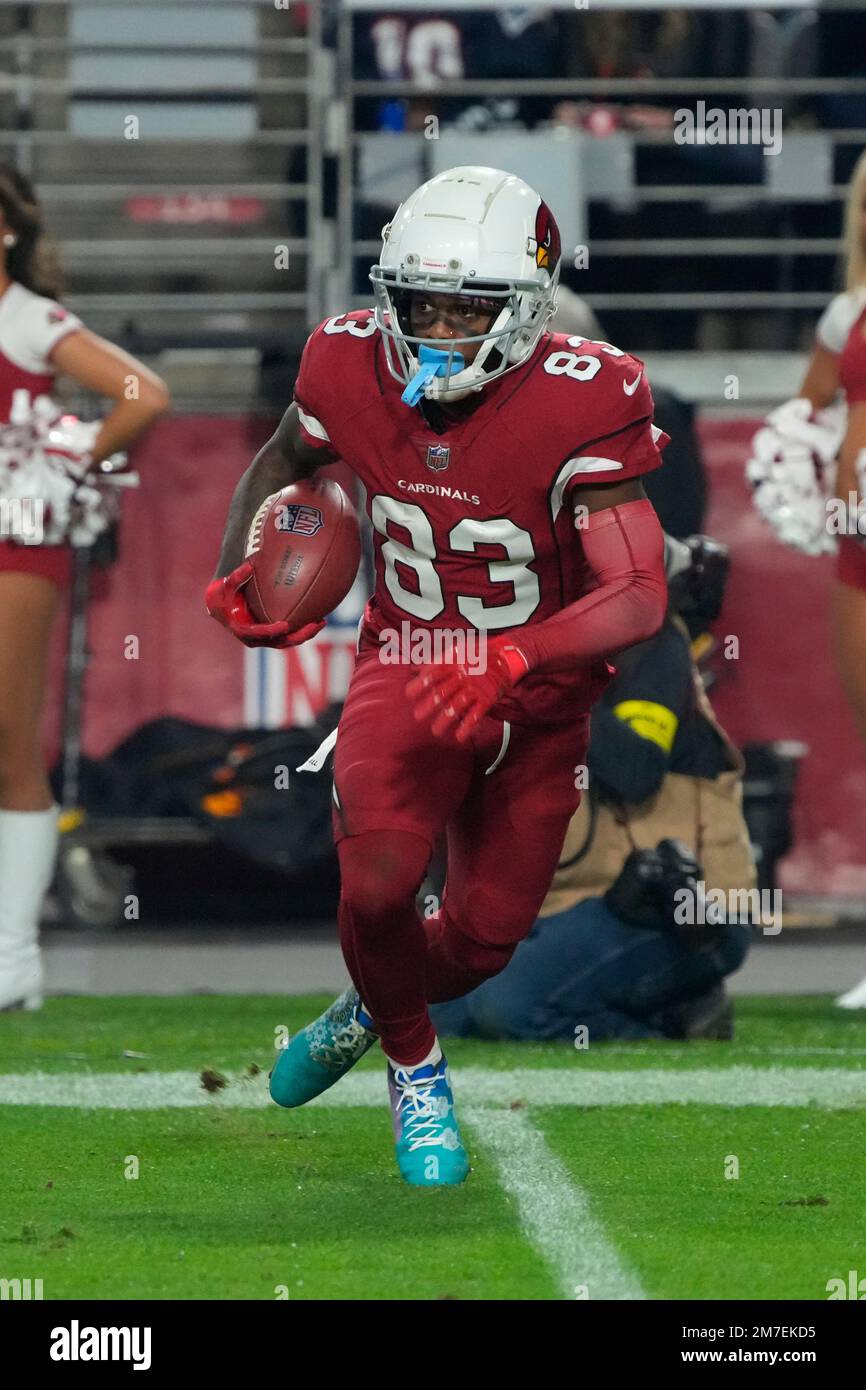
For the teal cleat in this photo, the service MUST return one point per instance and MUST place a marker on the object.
(430, 1151)
(322, 1052)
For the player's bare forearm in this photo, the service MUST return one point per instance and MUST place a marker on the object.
(283, 460)
(269, 471)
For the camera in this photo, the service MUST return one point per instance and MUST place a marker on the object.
(644, 893)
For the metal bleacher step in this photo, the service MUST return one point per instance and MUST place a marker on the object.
(210, 374)
(172, 239)
(177, 162)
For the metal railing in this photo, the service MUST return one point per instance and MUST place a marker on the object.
(212, 273)
(346, 289)
(84, 181)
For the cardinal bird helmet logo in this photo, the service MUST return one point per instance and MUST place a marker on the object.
(545, 246)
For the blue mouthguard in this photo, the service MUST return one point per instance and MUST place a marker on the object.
(433, 363)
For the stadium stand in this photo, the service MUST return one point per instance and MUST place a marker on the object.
(655, 212)
(170, 238)
(163, 174)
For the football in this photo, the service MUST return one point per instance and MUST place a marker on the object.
(304, 544)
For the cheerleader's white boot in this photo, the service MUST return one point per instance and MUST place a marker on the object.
(854, 998)
(28, 847)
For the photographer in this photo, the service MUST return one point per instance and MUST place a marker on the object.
(662, 811)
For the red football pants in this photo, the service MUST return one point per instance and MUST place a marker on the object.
(504, 802)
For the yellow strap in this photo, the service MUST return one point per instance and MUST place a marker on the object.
(649, 720)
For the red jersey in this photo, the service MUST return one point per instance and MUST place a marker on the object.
(473, 520)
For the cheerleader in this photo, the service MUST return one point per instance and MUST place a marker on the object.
(809, 466)
(849, 588)
(38, 340)
(842, 350)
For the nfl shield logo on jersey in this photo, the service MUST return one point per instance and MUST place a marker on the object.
(299, 518)
(438, 457)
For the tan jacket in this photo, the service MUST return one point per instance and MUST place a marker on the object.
(706, 814)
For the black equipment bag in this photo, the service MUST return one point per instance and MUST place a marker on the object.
(241, 784)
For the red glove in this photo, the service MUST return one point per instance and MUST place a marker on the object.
(459, 695)
(225, 602)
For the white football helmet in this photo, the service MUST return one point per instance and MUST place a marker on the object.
(477, 232)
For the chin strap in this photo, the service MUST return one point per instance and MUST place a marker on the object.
(433, 362)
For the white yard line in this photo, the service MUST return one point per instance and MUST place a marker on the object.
(827, 1087)
(553, 1212)
(807, 1051)
(676, 1054)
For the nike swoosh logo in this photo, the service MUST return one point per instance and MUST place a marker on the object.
(631, 387)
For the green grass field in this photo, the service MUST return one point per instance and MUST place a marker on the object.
(656, 1170)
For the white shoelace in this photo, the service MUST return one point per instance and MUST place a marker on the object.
(425, 1111)
(347, 1042)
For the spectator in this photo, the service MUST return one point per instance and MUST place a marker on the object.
(624, 44)
(519, 42)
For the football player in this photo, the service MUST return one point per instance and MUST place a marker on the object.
(502, 467)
